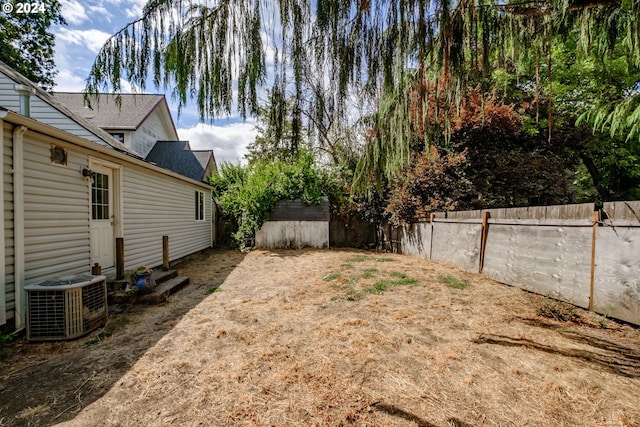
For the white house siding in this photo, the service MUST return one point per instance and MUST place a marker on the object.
(56, 211)
(8, 97)
(42, 111)
(7, 180)
(157, 205)
(145, 137)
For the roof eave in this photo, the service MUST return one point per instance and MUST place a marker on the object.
(70, 138)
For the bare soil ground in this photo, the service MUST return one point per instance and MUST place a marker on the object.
(330, 338)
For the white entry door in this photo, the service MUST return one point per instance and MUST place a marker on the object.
(102, 217)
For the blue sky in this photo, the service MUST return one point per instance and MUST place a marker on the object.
(89, 24)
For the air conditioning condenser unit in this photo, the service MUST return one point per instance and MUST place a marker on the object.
(66, 307)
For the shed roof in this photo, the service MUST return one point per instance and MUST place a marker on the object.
(297, 210)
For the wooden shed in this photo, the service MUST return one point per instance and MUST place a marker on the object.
(295, 224)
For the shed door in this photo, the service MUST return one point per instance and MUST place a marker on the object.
(102, 217)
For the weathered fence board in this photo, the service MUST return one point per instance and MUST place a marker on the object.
(293, 234)
(569, 212)
(416, 240)
(457, 244)
(476, 214)
(617, 273)
(546, 259)
(548, 250)
(622, 213)
(355, 233)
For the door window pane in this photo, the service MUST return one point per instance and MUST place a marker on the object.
(100, 196)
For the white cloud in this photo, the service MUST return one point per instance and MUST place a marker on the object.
(66, 81)
(134, 9)
(74, 12)
(104, 14)
(228, 142)
(92, 39)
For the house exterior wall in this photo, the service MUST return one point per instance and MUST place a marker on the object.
(8, 97)
(43, 111)
(144, 138)
(56, 201)
(8, 293)
(56, 211)
(155, 206)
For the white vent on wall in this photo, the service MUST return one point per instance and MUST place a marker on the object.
(66, 307)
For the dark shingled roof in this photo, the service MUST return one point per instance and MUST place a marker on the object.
(178, 157)
(107, 115)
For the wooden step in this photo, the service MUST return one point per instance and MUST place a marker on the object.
(158, 275)
(162, 276)
(167, 283)
(163, 290)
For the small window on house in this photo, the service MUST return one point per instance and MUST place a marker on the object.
(119, 136)
(58, 155)
(199, 206)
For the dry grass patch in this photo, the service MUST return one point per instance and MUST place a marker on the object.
(294, 339)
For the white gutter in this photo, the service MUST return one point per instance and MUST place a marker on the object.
(3, 301)
(18, 224)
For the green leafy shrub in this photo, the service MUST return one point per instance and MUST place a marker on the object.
(247, 194)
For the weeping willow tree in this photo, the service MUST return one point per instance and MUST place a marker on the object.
(218, 54)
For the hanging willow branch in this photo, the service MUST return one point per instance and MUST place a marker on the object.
(213, 52)
(196, 50)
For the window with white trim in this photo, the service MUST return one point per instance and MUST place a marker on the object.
(199, 206)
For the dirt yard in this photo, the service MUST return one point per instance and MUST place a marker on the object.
(331, 338)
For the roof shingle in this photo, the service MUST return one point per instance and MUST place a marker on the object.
(178, 157)
(106, 114)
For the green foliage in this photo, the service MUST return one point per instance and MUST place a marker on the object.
(453, 282)
(398, 279)
(350, 276)
(331, 277)
(368, 273)
(6, 338)
(275, 139)
(200, 50)
(27, 45)
(248, 194)
(554, 61)
(357, 258)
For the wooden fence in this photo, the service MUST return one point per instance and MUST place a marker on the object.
(572, 252)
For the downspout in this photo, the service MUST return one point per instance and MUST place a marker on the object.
(18, 224)
(3, 301)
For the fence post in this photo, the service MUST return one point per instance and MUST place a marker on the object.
(119, 258)
(431, 219)
(594, 232)
(483, 239)
(165, 253)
